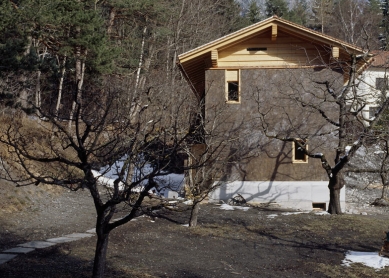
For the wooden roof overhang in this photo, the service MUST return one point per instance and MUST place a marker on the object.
(195, 62)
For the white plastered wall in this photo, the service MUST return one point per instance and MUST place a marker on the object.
(288, 194)
(367, 90)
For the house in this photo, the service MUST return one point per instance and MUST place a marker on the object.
(249, 81)
(373, 81)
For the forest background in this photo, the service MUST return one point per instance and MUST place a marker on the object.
(107, 70)
(45, 46)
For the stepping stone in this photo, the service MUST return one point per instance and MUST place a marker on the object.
(92, 231)
(37, 244)
(61, 239)
(19, 250)
(80, 235)
(6, 257)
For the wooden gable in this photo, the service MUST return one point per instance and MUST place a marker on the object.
(272, 43)
(263, 51)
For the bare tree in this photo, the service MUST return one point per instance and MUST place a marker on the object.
(329, 119)
(102, 133)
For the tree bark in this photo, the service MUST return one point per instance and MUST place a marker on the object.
(335, 185)
(38, 92)
(384, 192)
(140, 60)
(60, 86)
(194, 214)
(100, 253)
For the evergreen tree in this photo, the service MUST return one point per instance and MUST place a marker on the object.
(384, 35)
(299, 12)
(322, 12)
(253, 14)
(277, 7)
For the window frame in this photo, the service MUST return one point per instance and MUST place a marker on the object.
(229, 80)
(372, 111)
(294, 149)
(381, 83)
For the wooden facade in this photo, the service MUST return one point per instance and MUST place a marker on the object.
(272, 43)
(256, 66)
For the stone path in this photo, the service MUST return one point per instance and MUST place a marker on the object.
(27, 247)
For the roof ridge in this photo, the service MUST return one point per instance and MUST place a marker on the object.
(268, 20)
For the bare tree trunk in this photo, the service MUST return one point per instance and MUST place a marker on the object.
(80, 69)
(384, 192)
(194, 214)
(140, 60)
(111, 21)
(38, 92)
(147, 63)
(130, 173)
(335, 185)
(100, 253)
(23, 95)
(60, 86)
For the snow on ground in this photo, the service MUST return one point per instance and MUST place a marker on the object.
(107, 175)
(370, 259)
(297, 212)
(228, 207)
(108, 182)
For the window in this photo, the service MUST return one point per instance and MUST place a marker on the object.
(232, 86)
(381, 83)
(319, 206)
(233, 91)
(372, 111)
(299, 155)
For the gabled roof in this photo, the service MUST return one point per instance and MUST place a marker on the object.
(381, 59)
(193, 63)
(260, 26)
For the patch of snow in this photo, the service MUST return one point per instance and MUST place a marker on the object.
(242, 208)
(188, 202)
(271, 216)
(321, 212)
(185, 225)
(228, 207)
(106, 181)
(292, 213)
(107, 175)
(370, 259)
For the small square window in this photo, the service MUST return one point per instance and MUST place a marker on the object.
(381, 83)
(232, 86)
(233, 91)
(372, 111)
(319, 206)
(299, 155)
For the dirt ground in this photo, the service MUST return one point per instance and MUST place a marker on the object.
(225, 244)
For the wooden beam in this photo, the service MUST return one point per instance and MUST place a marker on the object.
(274, 32)
(214, 57)
(335, 52)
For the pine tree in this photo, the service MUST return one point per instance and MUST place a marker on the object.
(322, 12)
(299, 12)
(384, 35)
(253, 14)
(277, 7)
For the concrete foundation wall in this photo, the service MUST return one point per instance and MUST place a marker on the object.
(288, 194)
